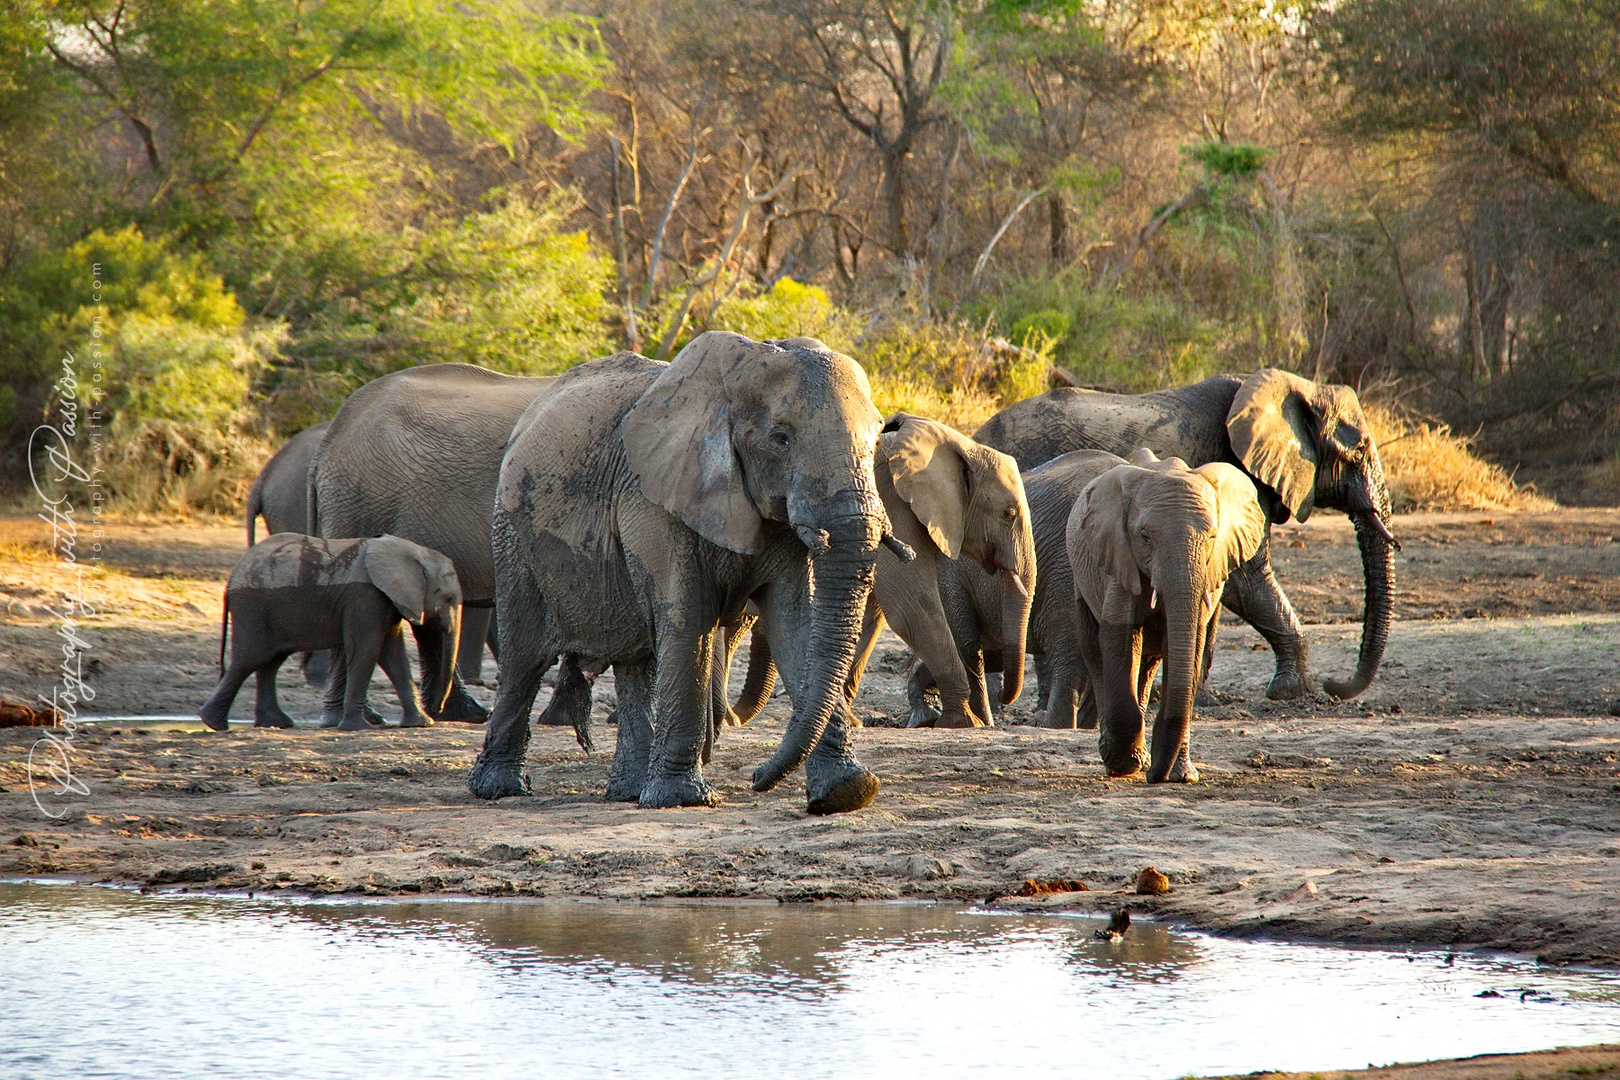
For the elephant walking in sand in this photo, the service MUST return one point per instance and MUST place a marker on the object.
(295, 592)
(640, 506)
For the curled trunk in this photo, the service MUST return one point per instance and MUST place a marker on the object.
(761, 679)
(1378, 566)
(843, 578)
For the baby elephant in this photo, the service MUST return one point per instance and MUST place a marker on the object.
(294, 592)
(1151, 544)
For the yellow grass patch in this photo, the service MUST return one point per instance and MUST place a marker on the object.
(1430, 467)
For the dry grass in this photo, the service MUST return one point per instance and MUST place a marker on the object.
(181, 470)
(1430, 467)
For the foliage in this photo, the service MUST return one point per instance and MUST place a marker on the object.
(790, 309)
(1431, 468)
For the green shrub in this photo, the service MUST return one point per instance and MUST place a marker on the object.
(790, 309)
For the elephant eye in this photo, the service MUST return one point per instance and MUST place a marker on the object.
(1012, 513)
(1146, 537)
(780, 438)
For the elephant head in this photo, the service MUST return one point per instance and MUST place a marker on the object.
(1166, 537)
(423, 587)
(735, 433)
(970, 501)
(1310, 445)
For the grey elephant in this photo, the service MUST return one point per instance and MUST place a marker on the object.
(416, 454)
(295, 592)
(279, 494)
(1151, 544)
(948, 498)
(640, 506)
(1305, 445)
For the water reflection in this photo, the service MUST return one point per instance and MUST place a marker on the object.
(102, 982)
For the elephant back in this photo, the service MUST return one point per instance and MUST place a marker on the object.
(417, 454)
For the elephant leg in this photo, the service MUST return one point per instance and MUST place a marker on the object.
(835, 782)
(361, 651)
(398, 670)
(680, 719)
(730, 638)
(1063, 697)
(1043, 680)
(1152, 655)
(633, 749)
(1253, 595)
(459, 706)
(267, 710)
(337, 684)
(1086, 707)
(316, 666)
(570, 703)
(761, 680)
(1119, 714)
(978, 692)
(918, 684)
(917, 615)
(216, 711)
(529, 655)
(470, 654)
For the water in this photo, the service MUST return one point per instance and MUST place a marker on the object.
(98, 982)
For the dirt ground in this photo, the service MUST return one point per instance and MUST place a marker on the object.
(1470, 799)
(1548, 1065)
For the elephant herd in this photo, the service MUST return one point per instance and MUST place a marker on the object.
(650, 517)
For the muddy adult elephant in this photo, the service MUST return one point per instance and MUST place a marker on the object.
(1305, 445)
(640, 506)
(280, 495)
(948, 498)
(416, 454)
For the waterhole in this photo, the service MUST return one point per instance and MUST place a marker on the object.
(102, 982)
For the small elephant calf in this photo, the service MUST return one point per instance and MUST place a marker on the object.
(293, 593)
(1151, 544)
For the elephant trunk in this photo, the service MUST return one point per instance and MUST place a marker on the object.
(1378, 565)
(1016, 598)
(761, 679)
(843, 578)
(1183, 656)
(442, 675)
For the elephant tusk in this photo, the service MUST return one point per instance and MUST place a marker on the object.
(901, 549)
(1376, 520)
(1018, 583)
(815, 539)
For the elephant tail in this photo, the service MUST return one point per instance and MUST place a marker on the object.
(255, 505)
(225, 622)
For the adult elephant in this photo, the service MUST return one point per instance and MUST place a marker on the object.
(640, 506)
(1305, 445)
(948, 498)
(280, 495)
(416, 454)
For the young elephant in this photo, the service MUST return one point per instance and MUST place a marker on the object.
(948, 498)
(295, 592)
(1151, 544)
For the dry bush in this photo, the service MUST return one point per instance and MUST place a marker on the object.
(176, 469)
(950, 372)
(1429, 467)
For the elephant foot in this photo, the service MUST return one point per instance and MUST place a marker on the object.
(958, 720)
(731, 719)
(1060, 723)
(374, 718)
(277, 719)
(415, 721)
(216, 719)
(497, 779)
(681, 789)
(1181, 771)
(460, 708)
(353, 723)
(626, 786)
(1287, 686)
(922, 716)
(1122, 761)
(853, 791)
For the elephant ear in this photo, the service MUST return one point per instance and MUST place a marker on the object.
(393, 566)
(1105, 517)
(1241, 527)
(930, 474)
(1273, 432)
(677, 439)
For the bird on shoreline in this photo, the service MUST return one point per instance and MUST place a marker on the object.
(1117, 926)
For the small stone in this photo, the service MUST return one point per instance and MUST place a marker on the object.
(1306, 890)
(24, 840)
(257, 865)
(1150, 882)
(924, 868)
